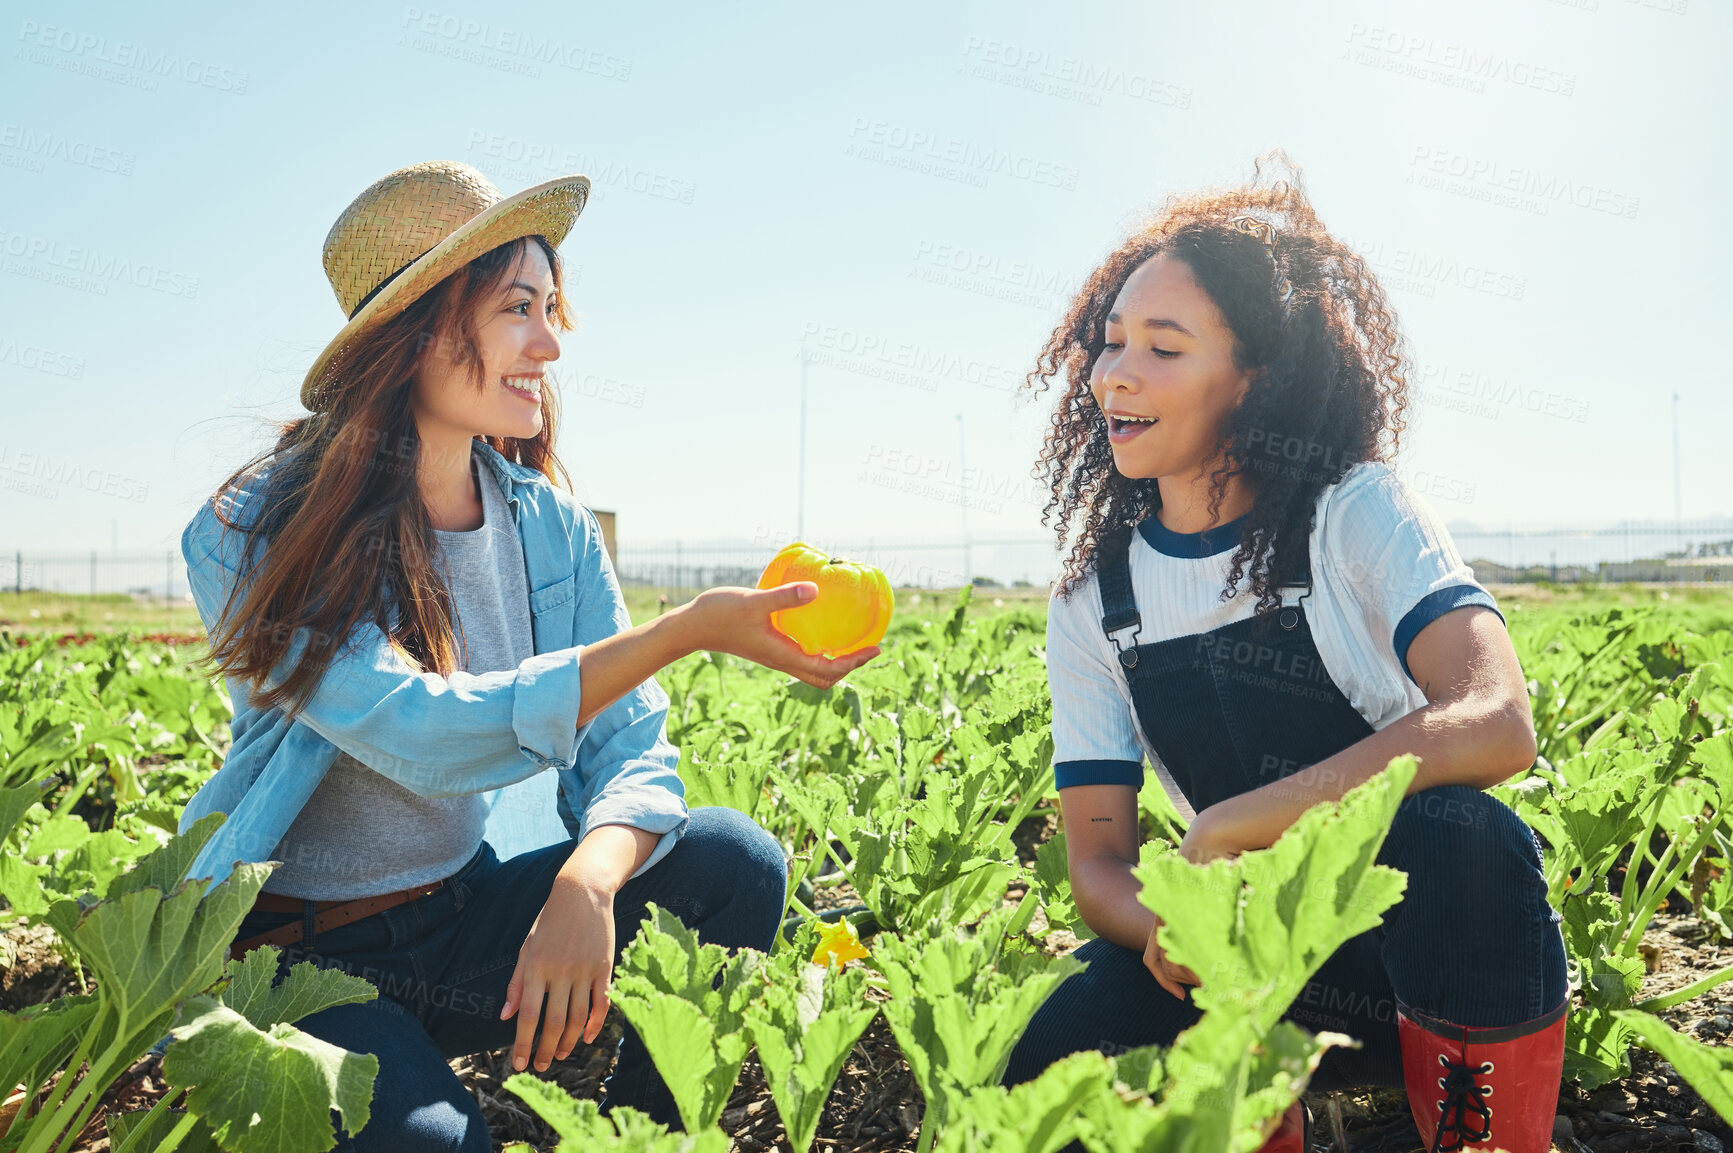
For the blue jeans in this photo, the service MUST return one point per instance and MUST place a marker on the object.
(442, 964)
(1473, 941)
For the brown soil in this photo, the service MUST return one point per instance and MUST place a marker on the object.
(875, 1106)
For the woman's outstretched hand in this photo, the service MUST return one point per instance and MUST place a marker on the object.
(737, 621)
(724, 620)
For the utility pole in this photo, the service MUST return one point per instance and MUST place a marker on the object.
(800, 484)
(963, 497)
(1678, 502)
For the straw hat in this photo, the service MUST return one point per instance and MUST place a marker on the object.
(415, 227)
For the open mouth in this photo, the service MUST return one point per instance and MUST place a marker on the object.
(527, 387)
(1123, 427)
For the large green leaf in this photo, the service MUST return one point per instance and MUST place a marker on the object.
(306, 989)
(37, 1040)
(266, 1090)
(694, 1030)
(1038, 1116)
(1053, 882)
(1709, 1068)
(1591, 928)
(167, 867)
(960, 1001)
(150, 951)
(1597, 1046)
(1254, 929)
(14, 803)
(146, 1129)
(804, 1024)
(731, 781)
(623, 1130)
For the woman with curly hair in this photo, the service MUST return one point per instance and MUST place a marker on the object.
(1253, 601)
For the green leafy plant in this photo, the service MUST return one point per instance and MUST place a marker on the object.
(688, 1002)
(803, 1024)
(959, 1002)
(157, 945)
(623, 1130)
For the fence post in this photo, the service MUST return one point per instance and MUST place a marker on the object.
(18, 573)
(92, 572)
(168, 575)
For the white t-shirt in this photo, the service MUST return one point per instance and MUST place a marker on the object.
(1383, 568)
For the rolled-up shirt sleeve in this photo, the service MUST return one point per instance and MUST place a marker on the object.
(1398, 560)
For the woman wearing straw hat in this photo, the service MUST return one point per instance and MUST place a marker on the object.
(415, 621)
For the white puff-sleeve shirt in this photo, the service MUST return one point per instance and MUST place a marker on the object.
(1383, 568)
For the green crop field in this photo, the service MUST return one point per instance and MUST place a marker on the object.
(916, 805)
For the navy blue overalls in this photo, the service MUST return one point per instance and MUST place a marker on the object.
(1473, 940)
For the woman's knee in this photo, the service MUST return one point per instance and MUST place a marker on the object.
(732, 853)
(418, 1104)
(1474, 833)
(1113, 1006)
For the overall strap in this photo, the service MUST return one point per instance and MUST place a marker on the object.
(1113, 575)
(1294, 592)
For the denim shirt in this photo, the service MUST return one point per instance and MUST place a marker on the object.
(492, 733)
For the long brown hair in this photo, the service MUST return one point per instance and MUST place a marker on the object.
(1328, 375)
(341, 510)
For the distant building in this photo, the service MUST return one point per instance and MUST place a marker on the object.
(606, 520)
(1704, 569)
(1491, 572)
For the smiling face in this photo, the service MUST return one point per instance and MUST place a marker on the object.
(1166, 380)
(515, 338)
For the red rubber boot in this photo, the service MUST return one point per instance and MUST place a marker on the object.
(1293, 1135)
(1473, 1088)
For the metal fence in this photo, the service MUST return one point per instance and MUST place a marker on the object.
(145, 575)
(1690, 551)
(1696, 550)
(1658, 551)
(684, 568)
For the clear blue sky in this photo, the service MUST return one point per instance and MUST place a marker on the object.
(905, 191)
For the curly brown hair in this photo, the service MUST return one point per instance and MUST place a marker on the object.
(1328, 376)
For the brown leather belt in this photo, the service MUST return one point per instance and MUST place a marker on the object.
(327, 914)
